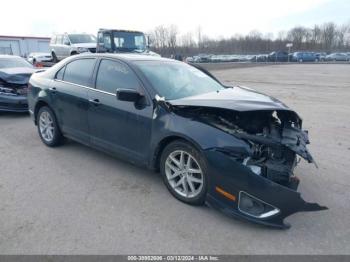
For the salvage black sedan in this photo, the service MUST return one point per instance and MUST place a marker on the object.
(231, 147)
(14, 75)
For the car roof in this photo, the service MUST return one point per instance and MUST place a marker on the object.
(9, 56)
(118, 30)
(129, 57)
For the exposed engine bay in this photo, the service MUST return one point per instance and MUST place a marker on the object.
(274, 136)
(13, 88)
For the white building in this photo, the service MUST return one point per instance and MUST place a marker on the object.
(23, 45)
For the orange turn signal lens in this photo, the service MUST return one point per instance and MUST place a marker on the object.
(225, 194)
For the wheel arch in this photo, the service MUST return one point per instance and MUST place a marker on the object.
(166, 141)
(37, 107)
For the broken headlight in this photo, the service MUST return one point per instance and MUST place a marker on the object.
(6, 91)
(22, 91)
(255, 207)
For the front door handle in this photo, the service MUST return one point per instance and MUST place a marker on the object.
(95, 101)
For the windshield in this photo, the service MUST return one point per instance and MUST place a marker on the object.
(129, 41)
(82, 38)
(14, 62)
(177, 80)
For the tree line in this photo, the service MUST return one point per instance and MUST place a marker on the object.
(327, 37)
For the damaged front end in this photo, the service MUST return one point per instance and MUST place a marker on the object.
(259, 181)
(13, 93)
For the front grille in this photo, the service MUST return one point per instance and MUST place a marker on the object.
(13, 106)
(92, 50)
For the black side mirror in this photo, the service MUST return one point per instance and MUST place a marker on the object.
(129, 95)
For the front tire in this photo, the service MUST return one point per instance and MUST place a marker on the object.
(184, 172)
(48, 129)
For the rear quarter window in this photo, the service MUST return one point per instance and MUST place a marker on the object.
(60, 73)
(79, 71)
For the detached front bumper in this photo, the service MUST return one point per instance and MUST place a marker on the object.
(15, 103)
(233, 185)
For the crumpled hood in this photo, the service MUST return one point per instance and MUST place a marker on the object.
(17, 75)
(242, 100)
(237, 98)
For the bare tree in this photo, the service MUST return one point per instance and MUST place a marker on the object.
(297, 35)
(172, 37)
(161, 36)
(327, 37)
(329, 30)
(341, 32)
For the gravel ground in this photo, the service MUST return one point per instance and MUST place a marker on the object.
(76, 200)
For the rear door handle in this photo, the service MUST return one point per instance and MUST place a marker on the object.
(95, 101)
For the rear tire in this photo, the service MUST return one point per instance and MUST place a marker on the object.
(184, 172)
(48, 128)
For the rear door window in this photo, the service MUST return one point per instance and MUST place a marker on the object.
(79, 71)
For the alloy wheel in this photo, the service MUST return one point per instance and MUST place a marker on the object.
(184, 174)
(46, 126)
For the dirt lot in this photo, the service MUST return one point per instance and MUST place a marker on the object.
(76, 200)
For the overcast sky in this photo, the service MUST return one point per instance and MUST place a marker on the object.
(221, 18)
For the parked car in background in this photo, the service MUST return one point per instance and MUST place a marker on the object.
(279, 56)
(203, 58)
(247, 58)
(337, 57)
(34, 58)
(260, 58)
(231, 147)
(348, 55)
(303, 57)
(223, 58)
(320, 57)
(15, 72)
(189, 59)
(64, 45)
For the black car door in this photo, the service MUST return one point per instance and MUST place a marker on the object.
(119, 126)
(70, 93)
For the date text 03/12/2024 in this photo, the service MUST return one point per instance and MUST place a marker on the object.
(173, 258)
